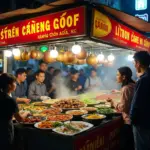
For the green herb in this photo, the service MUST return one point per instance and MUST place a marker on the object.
(57, 124)
(105, 110)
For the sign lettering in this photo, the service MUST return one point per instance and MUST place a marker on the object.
(63, 24)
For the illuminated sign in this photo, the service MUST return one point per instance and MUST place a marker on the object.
(143, 16)
(109, 30)
(59, 25)
(140, 4)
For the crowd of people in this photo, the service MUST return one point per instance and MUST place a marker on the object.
(45, 83)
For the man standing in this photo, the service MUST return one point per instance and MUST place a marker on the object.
(73, 83)
(21, 88)
(48, 79)
(139, 113)
(93, 83)
(37, 89)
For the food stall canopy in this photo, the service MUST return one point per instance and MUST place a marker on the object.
(134, 22)
(109, 30)
(73, 24)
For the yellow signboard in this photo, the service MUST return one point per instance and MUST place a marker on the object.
(102, 25)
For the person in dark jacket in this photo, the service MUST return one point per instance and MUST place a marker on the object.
(73, 83)
(140, 111)
(8, 110)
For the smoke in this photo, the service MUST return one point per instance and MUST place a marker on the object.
(62, 91)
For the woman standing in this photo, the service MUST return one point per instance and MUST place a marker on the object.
(124, 77)
(8, 110)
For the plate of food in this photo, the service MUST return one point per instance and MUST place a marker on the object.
(90, 101)
(76, 112)
(71, 128)
(47, 112)
(103, 106)
(32, 120)
(47, 125)
(68, 104)
(89, 109)
(38, 104)
(60, 117)
(94, 118)
(50, 101)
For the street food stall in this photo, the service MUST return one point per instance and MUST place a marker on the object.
(84, 122)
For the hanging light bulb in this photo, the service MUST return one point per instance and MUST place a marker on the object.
(100, 57)
(8, 53)
(130, 57)
(54, 53)
(76, 49)
(16, 52)
(111, 58)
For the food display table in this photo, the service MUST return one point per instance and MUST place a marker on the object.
(102, 137)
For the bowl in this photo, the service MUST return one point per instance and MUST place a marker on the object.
(90, 110)
(95, 119)
(75, 114)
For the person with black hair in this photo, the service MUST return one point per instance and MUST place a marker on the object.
(139, 113)
(73, 83)
(124, 77)
(93, 83)
(8, 110)
(20, 93)
(37, 89)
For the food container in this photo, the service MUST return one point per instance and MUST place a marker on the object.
(77, 114)
(89, 109)
(95, 119)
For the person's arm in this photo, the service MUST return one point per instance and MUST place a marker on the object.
(15, 110)
(20, 100)
(124, 104)
(31, 94)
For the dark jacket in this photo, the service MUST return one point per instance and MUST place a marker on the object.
(140, 107)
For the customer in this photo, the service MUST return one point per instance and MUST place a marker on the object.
(37, 89)
(51, 70)
(82, 78)
(139, 113)
(124, 76)
(93, 83)
(8, 110)
(73, 84)
(48, 78)
(20, 93)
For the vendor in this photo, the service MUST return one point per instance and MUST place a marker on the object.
(93, 83)
(37, 89)
(20, 93)
(8, 110)
(73, 83)
(124, 76)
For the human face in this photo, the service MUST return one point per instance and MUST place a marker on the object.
(22, 77)
(51, 71)
(75, 76)
(119, 77)
(93, 74)
(41, 77)
(43, 67)
(12, 87)
(137, 66)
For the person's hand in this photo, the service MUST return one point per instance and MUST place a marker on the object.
(115, 91)
(44, 98)
(109, 100)
(25, 114)
(26, 100)
(79, 87)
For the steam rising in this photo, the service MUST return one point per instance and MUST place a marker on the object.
(107, 76)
